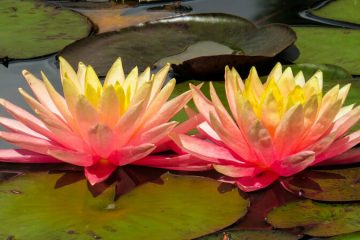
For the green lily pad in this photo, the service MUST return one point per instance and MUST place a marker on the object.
(350, 236)
(31, 28)
(172, 36)
(323, 45)
(339, 10)
(251, 235)
(182, 207)
(327, 185)
(318, 219)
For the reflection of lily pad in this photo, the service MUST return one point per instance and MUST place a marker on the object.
(319, 219)
(339, 10)
(183, 207)
(203, 48)
(145, 44)
(31, 28)
(251, 235)
(327, 185)
(322, 45)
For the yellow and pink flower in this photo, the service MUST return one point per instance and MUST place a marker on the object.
(97, 126)
(275, 129)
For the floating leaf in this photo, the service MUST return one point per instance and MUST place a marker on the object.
(323, 45)
(330, 185)
(136, 47)
(350, 236)
(339, 10)
(251, 235)
(32, 29)
(182, 207)
(318, 219)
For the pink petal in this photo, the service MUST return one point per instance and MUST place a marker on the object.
(101, 139)
(204, 149)
(76, 158)
(289, 130)
(130, 154)
(99, 172)
(261, 142)
(249, 184)
(17, 127)
(154, 135)
(185, 162)
(339, 146)
(26, 118)
(34, 144)
(349, 157)
(128, 123)
(24, 156)
(86, 116)
(41, 93)
(202, 103)
(168, 110)
(236, 171)
(294, 163)
(237, 145)
(343, 124)
(60, 131)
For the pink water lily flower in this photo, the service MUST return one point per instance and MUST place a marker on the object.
(275, 129)
(97, 126)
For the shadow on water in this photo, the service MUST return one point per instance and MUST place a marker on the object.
(259, 11)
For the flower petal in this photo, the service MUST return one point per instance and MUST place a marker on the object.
(340, 146)
(130, 154)
(41, 93)
(76, 158)
(115, 74)
(204, 149)
(262, 180)
(350, 157)
(236, 171)
(101, 139)
(24, 156)
(185, 162)
(109, 109)
(99, 172)
(294, 163)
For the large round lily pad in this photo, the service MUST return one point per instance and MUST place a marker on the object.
(30, 28)
(324, 45)
(182, 207)
(327, 185)
(145, 44)
(339, 10)
(251, 235)
(318, 219)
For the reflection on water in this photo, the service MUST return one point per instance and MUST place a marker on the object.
(11, 79)
(260, 11)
